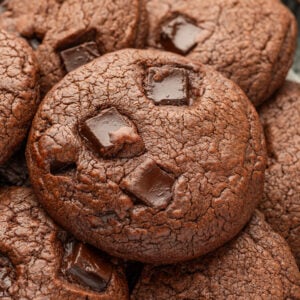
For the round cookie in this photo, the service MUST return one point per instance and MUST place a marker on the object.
(280, 117)
(148, 156)
(250, 42)
(30, 19)
(39, 261)
(77, 31)
(257, 264)
(19, 92)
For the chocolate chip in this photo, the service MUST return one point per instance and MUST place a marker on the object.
(84, 266)
(79, 55)
(179, 35)
(167, 86)
(109, 132)
(150, 184)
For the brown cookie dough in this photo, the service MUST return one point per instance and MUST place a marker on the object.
(257, 264)
(148, 156)
(19, 92)
(250, 42)
(75, 32)
(39, 261)
(280, 117)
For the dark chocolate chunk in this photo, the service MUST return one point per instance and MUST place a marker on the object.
(179, 35)
(167, 86)
(79, 55)
(86, 268)
(7, 273)
(110, 131)
(34, 42)
(58, 168)
(150, 184)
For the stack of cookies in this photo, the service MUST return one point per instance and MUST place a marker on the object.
(149, 150)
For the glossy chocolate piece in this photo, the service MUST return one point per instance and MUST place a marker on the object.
(7, 273)
(179, 35)
(79, 55)
(167, 86)
(109, 132)
(150, 185)
(85, 267)
(34, 42)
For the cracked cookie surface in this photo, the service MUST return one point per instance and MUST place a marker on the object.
(280, 117)
(257, 264)
(38, 261)
(70, 33)
(250, 42)
(19, 92)
(148, 156)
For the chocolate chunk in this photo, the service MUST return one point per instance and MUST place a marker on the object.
(34, 42)
(179, 35)
(150, 184)
(86, 268)
(79, 55)
(7, 273)
(167, 86)
(110, 131)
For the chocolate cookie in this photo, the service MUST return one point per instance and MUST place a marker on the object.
(80, 31)
(257, 264)
(18, 92)
(29, 18)
(250, 42)
(39, 261)
(148, 156)
(280, 117)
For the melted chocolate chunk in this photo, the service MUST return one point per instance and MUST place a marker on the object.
(79, 55)
(150, 184)
(109, 132)
(167, 86)
(179, 35)
(82, 265)
(7, 274)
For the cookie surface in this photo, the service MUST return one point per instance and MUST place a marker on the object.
(69, 34)
(38, 261)
(19, 92)
(250, 42)
(280, 117)
(148, 159)
(257, 264)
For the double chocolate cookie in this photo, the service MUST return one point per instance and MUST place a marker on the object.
(30, 19)
(148, 156)
(250, 42)
(69, 34)
(257, 264)
(280, 117)
(19, 92)
(40, 261)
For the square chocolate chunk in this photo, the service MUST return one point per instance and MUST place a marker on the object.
(87, 268)
(179, 35)
(79, 55)
(167, 86)
(109, 132)
(150, 184)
